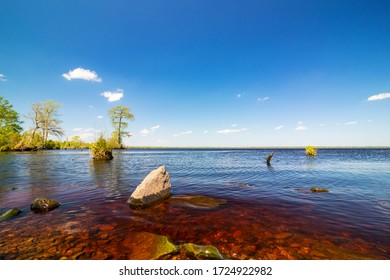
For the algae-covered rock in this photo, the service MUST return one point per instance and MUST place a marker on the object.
(148, 246)
(206, 252)
(42, 205)
(9, 214)
(316, 189)
(198, 201)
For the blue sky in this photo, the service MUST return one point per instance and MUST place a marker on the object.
(204, 73)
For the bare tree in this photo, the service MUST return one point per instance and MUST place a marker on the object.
(45, 118)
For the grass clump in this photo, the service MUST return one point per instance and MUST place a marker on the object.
(101, 149)
(311, 151)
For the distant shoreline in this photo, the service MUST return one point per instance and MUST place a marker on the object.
(270, 148)
(254, 148)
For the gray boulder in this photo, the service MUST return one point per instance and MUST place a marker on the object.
(153, 189)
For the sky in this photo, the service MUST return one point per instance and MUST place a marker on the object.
(204, 73)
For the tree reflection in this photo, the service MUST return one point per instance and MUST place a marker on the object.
(107, 175)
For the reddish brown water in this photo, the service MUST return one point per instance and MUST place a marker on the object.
(240, 230)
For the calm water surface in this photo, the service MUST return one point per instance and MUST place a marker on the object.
(270, 211)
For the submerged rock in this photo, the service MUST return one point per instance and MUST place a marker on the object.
(315, 189)
(153, 189)
(240, 184)
(206, 252)
(198, 201)
(148, 246)
(9, 214)
(42, 205)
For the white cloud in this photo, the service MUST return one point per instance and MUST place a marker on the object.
(349, 123)
(86, 134)
(322, 124)
(113, 96)
(227, 131)
(183, 133)
(100, 117)
(279, 127)
(205, 132)
(151, 130)
(234, 125)
(379, 97)
(83, 74)
(262, 99)
(145, 132)
(300, 127)
(2, 78)
(87, 137)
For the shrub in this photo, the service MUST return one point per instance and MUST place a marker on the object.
(101, 149)
(311, 151)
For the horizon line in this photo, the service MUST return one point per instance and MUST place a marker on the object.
(256, 147)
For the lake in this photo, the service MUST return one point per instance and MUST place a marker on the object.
(268, 211)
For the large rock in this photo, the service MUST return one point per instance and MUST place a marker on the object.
(153, 189)
(42, 205)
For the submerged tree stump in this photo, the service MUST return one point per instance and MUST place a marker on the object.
(268, 159)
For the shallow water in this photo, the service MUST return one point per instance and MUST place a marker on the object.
(270, 212)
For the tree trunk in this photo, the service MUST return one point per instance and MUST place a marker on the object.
(269, 158)
(119, 132)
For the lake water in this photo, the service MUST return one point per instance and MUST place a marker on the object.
(268, 212)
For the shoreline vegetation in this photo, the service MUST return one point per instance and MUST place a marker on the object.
(46, 124)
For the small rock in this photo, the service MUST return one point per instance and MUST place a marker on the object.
(42, 205)
(207, 252)
(9, 214)
(315, 189)
(154, 188)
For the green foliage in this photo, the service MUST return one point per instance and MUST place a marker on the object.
(311, 151)
(118, 114)
(101, 149)
(10, 126)
(53, 145)
(27, 142)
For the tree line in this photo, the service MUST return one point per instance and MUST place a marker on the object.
(46, 124)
